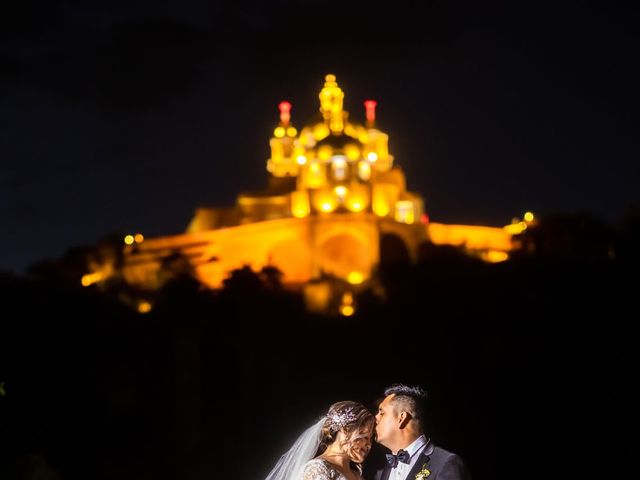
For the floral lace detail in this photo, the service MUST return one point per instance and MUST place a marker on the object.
(318, 469)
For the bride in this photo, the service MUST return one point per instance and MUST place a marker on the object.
(331, 449)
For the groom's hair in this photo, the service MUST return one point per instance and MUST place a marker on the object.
(410, 398)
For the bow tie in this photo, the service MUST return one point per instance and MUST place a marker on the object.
(402, 456)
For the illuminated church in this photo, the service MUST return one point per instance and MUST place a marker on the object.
(335, 206)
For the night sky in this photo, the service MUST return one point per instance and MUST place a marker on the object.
(120, 116)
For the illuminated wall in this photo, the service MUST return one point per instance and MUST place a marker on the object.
(333, 192)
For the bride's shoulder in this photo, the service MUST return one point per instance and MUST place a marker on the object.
(319, 469)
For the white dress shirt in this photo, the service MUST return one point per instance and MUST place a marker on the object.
(401, 470)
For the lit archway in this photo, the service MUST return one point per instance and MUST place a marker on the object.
(344, 254)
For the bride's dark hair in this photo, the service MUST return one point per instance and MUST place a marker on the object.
(348, 416)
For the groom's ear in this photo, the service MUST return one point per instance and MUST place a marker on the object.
(403, 419)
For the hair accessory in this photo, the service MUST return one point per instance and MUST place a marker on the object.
(342, 419)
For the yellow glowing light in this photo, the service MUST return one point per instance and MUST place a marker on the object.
(129, 239)
(364, 170)
(279, 132)
(91, 278)
(472, 237)
(314, 177)
(277, 149)
(326, 206)
(144, 307)
(331, 97)
(292, 132)
(339, 167)
(404, 212)
(495, 256)
(372, 157)
(515, 228)
(347, 310)
(301, 160)
(325, 201)
(340, 190)
(299, 212)
(299, 204)
(356, 205)
(324, 152)
(320, 131)
(355, 278)
(138, 238)
(528, 217)
(381, 207)
(352, 151)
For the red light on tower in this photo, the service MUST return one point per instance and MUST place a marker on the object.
(285, 112)
(370, 108)
(424, 218)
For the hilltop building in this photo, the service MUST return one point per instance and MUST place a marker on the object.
(336, 207)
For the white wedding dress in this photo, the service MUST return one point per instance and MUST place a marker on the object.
(319, 469)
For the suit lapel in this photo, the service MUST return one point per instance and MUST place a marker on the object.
(423, 461)
(385, 473)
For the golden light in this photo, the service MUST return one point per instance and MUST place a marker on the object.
(277, 149)
(314, 177)
(331, 97)
(515, 228)
(129, 239)
(356, 206)
(144, 306)
(138, 238)
(346, 307)
(292, 132)
(91, 278)
(299, 212)
(279, 132)
(301, 160)
(356, 203)
(341, 191)
(300, 204)
(325, 201)
(372, 157)
(339, 167)
(352, 151)
(381, 206)
(474, 237)
(355, 278)
(347, 310)
(324, 152)
(495, 256)
(320, 131)
(364, 170)
(528, 217)
(327, 206)
(404, 212)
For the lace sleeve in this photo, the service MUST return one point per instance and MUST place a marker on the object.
(317, 470)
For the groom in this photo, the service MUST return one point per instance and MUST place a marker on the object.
(399, 427)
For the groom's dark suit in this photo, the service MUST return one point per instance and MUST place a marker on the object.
(441, 464)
